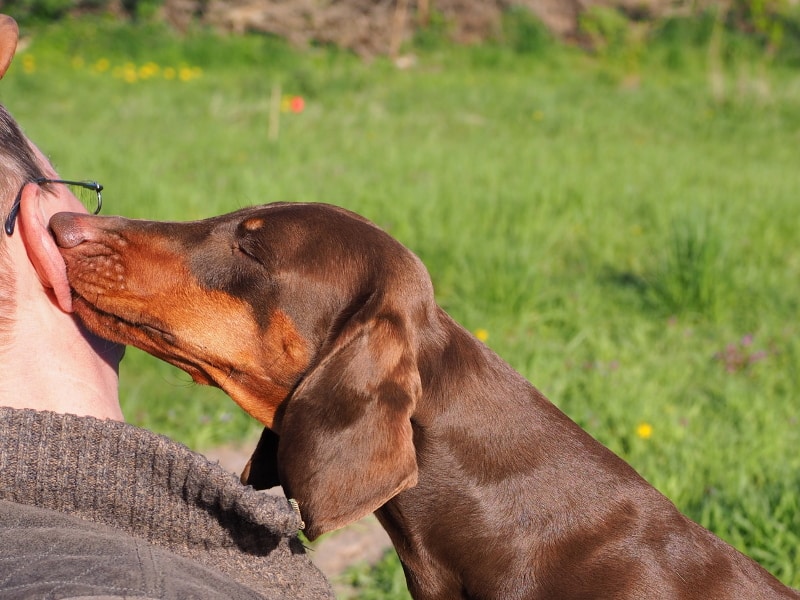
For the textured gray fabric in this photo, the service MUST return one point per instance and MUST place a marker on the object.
(46, 554)
(153, 490)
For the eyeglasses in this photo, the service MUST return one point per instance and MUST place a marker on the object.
(88, 192)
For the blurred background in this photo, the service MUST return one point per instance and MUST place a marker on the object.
(606, 193)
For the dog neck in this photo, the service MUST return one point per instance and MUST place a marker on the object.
(487, 442)
(431, 524)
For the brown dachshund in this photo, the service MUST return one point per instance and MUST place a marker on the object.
(325, 329)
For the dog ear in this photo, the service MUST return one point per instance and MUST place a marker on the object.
(346, 441)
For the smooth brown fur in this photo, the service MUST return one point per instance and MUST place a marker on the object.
(325, 329)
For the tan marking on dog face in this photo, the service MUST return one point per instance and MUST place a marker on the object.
(283, 357)
(253, 224)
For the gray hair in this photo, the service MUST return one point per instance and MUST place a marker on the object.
(18, 162)
(18, 165)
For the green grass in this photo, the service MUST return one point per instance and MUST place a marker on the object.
(624, 232)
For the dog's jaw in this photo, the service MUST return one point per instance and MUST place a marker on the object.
(248, 384)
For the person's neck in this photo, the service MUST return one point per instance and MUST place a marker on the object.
(50, 361)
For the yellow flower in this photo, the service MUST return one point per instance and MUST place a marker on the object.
(148, 70)
(102, 65)
(189, 73)
(28, 63)
(169, 73)
(644, 430)
(482, 334)
(129, 73)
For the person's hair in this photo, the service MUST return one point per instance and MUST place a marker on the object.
(18, 165)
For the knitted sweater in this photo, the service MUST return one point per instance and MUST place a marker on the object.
(137, 494)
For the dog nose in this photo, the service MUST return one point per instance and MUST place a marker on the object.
(70, 229)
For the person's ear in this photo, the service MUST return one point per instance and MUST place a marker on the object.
(40, 245)
(9, 35)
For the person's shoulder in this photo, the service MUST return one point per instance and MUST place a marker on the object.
(44, 551)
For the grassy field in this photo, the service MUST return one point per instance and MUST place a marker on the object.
(622, 228)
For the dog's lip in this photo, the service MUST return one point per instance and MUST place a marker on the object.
(148, 328)
(165, 335)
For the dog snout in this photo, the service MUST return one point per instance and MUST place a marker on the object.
(72, 229)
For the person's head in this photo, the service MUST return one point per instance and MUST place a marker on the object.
(22, 168)
(18, 164)
(25, 189)
(18, 161)
(48, 360)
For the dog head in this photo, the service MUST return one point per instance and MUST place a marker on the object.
(305, 314)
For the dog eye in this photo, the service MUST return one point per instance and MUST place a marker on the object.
(241, 249)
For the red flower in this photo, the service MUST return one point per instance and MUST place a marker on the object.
(297, 104)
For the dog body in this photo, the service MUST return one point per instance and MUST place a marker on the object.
(325, 329)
